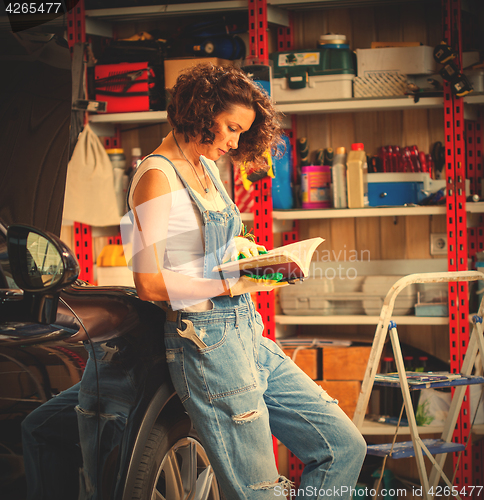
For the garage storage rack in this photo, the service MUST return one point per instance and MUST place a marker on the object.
(418, 447)
(260, 14)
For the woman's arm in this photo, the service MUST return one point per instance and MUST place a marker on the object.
(151, 208)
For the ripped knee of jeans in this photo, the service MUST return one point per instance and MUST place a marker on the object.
(281, 483)
(327, 397)
(246, 417)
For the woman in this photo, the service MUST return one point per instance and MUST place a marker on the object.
(237, 386)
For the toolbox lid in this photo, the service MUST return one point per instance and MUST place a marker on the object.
(311, 62)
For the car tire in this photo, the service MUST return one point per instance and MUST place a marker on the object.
(174, 465)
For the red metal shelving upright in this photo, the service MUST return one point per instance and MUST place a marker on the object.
(262, 189)
(457, 235)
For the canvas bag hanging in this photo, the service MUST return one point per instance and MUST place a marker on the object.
(90, 197)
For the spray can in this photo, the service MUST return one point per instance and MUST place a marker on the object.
(357, 176)
(338, 177)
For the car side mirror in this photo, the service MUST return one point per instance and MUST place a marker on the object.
(42, 265)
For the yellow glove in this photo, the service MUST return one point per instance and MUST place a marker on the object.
(242, 248)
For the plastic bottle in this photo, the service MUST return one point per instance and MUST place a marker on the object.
(422, 362)
(135, 158)
(338, 176)
(282, 197)
(356, 177)
(118, 161)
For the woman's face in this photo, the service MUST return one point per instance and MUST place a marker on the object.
(228, 127)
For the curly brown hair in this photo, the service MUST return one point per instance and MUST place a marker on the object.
(203, 91)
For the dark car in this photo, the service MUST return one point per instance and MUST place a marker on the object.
(162, 455)
(43, 305)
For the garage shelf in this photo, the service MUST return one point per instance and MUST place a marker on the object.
(283, 319)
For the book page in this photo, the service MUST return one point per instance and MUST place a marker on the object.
(292, 261)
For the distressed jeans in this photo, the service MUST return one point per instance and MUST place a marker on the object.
(240, 390)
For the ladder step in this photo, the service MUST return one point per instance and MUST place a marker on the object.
(418, 381)
(405, 449)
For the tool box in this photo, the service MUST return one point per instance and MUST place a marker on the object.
(406, 60)
(128, 87)
(400, 188)
(312, 75)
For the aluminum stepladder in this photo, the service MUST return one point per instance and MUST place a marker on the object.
(475, 346)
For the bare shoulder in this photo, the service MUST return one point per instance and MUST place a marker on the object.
(152, 184)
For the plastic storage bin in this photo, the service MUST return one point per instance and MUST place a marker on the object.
(360, 295)
(375, 289)
(405, 60)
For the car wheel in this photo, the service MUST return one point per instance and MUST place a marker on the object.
(175, 465)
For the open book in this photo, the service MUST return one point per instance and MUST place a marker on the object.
(291, 260)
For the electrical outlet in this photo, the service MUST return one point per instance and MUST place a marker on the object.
(438, 243)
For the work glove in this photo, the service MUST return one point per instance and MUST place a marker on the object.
(242, 248)
(253, 284)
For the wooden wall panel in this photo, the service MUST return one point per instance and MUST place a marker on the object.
(388, 24)
(415, 129)
(413, 21)
(343, 130)
(362, 38)
(368, 131)
(343, 238)
(393, 245)
(391, 123)
(417, 234)
(368, 236)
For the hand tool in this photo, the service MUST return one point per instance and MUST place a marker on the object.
(189, 333)
(438, 155)
(414, 159)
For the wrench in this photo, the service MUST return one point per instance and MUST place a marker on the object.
(189, 333)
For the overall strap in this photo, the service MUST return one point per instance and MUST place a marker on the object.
(188, 188)
(216, 183)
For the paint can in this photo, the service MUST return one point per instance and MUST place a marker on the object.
(316, 186)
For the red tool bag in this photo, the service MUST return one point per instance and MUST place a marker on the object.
(127, 87)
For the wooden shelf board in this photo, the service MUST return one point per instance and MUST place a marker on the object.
(148, 12)
(337, 213)
(137, 117)
(359, 104)
(340, 213)
(283, 319)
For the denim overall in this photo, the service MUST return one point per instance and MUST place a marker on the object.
(241, 389)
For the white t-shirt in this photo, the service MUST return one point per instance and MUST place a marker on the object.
(184, 248)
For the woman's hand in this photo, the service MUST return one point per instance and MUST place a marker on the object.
(249, 284)
(242, 248)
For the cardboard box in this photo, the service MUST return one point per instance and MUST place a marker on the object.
(345, 363)
(345, 392)
(173, 67)
(306, 359)
(405, 60)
